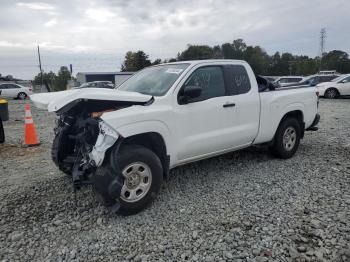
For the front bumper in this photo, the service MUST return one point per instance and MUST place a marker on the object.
(313, 126)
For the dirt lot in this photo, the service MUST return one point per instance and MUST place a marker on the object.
(243, 206)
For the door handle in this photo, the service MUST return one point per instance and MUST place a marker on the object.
(229, 105)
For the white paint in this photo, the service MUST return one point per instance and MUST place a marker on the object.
(105, 140)
(14, 91)
(202, 129)
(54, 101)
(342, 85)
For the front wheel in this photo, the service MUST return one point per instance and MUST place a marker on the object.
(141, 176)
(287, 139)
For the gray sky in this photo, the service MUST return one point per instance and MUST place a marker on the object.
(94, 35)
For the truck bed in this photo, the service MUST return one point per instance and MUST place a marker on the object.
(276, 103)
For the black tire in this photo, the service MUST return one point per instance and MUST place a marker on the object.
(113, 168)
(2, 132)
(62, 146)
(331, 93)
(286, 128)
(22, 95)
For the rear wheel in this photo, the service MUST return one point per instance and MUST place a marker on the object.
(287, 138)
(22, 96)
(141, 175)
(331, 93)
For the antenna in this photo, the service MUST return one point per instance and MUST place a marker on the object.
(322, 44)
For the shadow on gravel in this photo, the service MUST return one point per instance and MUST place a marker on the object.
(246, 156)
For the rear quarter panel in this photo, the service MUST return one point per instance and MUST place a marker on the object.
(276, 104)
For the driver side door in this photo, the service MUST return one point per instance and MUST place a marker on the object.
(205, 124)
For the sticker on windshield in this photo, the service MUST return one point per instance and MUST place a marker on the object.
(174, 71)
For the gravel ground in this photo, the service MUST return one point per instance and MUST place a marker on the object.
(242, 206)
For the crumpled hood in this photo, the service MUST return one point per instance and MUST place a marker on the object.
(54, 101)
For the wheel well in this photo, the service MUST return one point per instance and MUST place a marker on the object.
(298, 115)
(329, 88)
(153, 141)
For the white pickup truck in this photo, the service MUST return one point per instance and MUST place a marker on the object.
(125, 141)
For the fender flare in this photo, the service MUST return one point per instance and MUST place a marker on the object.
(148, 126)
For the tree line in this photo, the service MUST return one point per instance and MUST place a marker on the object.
(52, 81)
(262, 63)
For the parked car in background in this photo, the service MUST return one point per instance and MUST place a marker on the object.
(313, 80)
(270, 78)
(328, 72)
(339, 86)
(97, 84)
(287, 80)
(12, 90)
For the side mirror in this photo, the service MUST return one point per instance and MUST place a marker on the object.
(190, 92)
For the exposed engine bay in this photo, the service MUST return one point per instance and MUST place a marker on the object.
(82, 138)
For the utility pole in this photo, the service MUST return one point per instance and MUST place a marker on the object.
(322, 44)
(41, 71)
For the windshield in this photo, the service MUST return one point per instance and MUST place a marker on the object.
(84, 85)
(339, 78)
(155, 81)
(308, 79)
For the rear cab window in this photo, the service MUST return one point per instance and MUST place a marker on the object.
(237, 79)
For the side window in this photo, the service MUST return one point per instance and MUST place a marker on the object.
(324, 78)
(4, 86)
(313, 80)
(210, 79)
(11, 86)
(346, 80)
(283, 80)
(237, 79)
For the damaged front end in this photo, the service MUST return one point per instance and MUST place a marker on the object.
(89, 155)
(82, 138)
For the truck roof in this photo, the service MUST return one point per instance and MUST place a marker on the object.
(194, 62)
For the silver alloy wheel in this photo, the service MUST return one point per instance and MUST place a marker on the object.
(22, 96)
(137, 182)
(331, 93)
(289, 138)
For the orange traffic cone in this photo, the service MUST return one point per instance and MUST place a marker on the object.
(30, 137)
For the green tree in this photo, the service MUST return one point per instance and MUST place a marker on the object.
(196, 52)
(135, 61)
(61, 80)
(48, 78)
(157, 61)
(335, 60)
(262, 63)
(258, 59)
